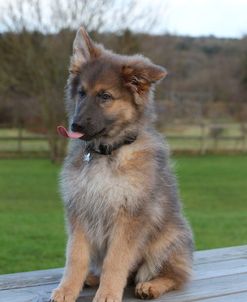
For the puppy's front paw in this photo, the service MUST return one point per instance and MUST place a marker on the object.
(62, 294)
(107, 295)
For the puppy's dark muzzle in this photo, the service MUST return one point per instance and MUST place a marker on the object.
(88, 133)
(77, 128)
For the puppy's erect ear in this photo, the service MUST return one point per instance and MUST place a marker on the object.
(139, 76)
(84, 50)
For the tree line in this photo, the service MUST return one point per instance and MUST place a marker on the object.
(34, 62)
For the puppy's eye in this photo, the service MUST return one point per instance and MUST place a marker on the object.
(105, 96)
(82, 93)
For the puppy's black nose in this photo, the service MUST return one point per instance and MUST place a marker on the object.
(76, 127)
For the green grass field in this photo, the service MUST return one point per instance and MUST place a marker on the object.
(213, 188)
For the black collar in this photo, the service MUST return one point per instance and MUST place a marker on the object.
(107, 149)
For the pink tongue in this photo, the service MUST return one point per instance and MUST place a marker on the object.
(64, 132)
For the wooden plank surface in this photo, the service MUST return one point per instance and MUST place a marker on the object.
(239, 297)
(28, 279)
(219, 275)
(220, 254)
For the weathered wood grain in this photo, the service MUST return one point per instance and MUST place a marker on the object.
(239, 297)
(198, 290)
(221, 254)
(219, 275)
(28, 279)
(221, 268)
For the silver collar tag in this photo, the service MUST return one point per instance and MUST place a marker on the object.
(87, 157)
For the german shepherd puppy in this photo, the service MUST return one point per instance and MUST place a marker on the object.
(122, 208)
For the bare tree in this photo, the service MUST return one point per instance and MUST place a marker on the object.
(37, 44)
(95, 15)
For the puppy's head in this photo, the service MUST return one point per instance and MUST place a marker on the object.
(107, 92)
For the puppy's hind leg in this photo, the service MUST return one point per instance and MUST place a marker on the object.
(92, 280)
(154, 288)
(175, 272)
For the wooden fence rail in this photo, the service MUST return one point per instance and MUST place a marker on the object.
(38, 146)
(183, 138)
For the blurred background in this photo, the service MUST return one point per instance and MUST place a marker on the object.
(201, 109)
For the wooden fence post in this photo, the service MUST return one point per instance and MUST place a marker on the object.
(203, 140)
(19, 139)
(244, 137)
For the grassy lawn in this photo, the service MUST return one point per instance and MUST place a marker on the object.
(214, 191)
(213, 188)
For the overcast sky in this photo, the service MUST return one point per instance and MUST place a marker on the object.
(222, 18)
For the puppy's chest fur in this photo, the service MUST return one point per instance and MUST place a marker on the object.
(94, 192)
